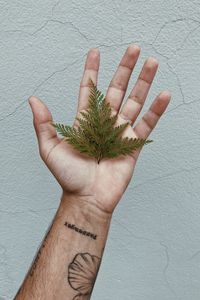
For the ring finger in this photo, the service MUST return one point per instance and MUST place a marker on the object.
(136, 99)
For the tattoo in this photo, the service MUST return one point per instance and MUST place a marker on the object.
(36, 259)
(81, 231)
(82, 273)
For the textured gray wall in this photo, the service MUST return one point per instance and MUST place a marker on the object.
(153, 247)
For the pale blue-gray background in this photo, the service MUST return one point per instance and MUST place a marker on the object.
(153, 250)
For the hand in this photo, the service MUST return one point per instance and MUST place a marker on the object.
(102, 184)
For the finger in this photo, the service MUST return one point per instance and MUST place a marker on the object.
(46, 133)
(118, 85)
(150, 119)
(91, 69)
(137, 97)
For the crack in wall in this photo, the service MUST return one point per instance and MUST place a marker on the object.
(55, 21)
(162, 244)
(166, 250)
(54, 6)
(180, 105)
(178, 81)
(133, 234)
(164, 25)
(182, 43)
(171, 22)
(46, 24)
(12, 113)
(108, 46)
(168, 175)
(65, 68)
(195, 255)
(185, 39)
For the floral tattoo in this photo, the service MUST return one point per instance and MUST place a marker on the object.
(82, 273)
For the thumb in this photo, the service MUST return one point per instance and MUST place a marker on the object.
(46, 133)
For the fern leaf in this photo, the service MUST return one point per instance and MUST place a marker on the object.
(97, 136)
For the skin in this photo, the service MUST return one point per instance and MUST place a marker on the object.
(90, 191)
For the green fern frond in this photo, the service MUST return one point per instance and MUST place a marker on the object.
(63, 130)
(97, 136)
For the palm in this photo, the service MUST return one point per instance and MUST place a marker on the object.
(80, 174)
(77, 172)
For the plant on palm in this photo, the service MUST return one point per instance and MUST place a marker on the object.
(97, 136)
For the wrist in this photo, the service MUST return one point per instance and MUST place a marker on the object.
(85, 207)
(79, 213)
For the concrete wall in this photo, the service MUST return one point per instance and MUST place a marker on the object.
(153, 251)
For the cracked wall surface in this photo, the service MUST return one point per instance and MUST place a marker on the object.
(153, 250)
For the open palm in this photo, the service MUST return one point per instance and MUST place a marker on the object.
(80, 174)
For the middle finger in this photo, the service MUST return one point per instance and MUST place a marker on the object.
(118, 85)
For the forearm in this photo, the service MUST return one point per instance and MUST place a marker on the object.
(68, 260)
